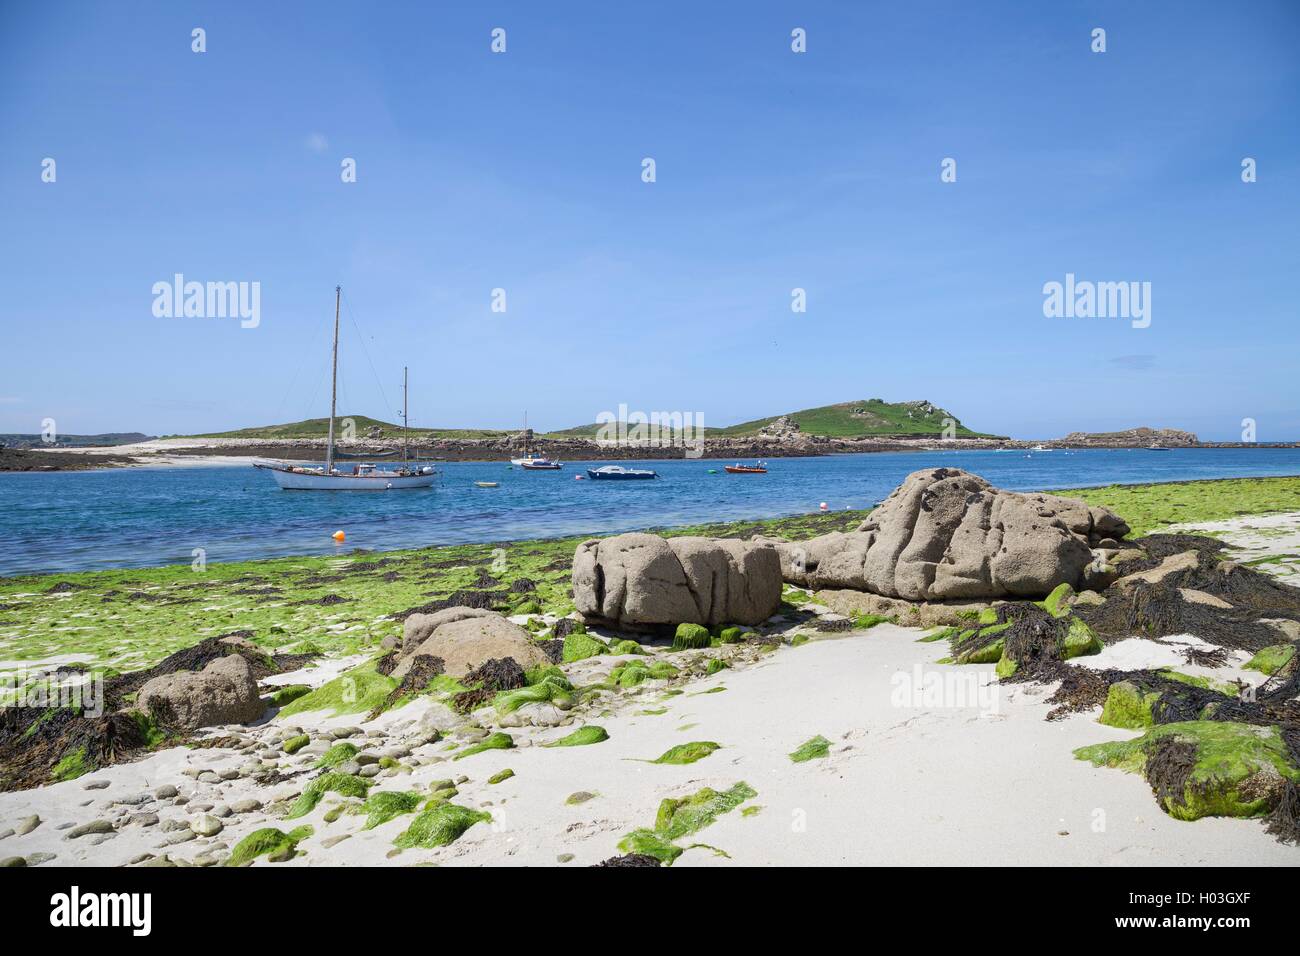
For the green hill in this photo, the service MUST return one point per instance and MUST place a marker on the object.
(864, 419)
(319, 428)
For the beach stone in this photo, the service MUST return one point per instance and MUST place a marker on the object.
(224, 692)
(95, 785)
(89, 829)
(465, 643)
(420, 627)
(6, 834)
(370, 770)
(10, 861)
(142, 820)
(248, 805)
(36, 859)
(27, 824)
(945, 534)
(645, 582)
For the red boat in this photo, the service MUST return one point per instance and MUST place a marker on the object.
(759, 469)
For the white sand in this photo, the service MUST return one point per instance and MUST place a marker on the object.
(938, 783)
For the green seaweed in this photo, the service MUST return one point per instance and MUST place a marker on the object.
(341, 752)
(269, 842)
(360, 690)
(582, 737)
(687, 753)
(439, 825)
(691, 637)
(1271, 659)
(386, 805)
(811, 749)
(493, 741)
(342, 783)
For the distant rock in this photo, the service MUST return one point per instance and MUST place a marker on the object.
(643, 581)
(224, 692)
(944, 534)
(1134, 437)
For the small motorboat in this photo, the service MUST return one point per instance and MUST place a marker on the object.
(619, 473)
(487, 484)
(539, 464)
(739, 469)
(1156, 448)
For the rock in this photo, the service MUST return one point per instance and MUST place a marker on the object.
(369, 770)
(335, 840)
(224, 692)
(221, 811)
(27, 824)
(165, 792)
(142, 820)
(944, 534)
(13, 861)
(206, 825)
(1183, 561)
(907, 613)
(88, 829)
(208, 776)
(6, 834)
(36, 859)
(248, 805)
(419, 627)
(95, 785)
(465, 643)
(645, 582)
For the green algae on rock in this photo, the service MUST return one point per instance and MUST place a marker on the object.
(270, 842)
(386, 805)
(1205, 767)
(680, 817)
(439, 825)
(294, 744)
(691, 637)
(811, 749)
(582, 737)
(1271, 659)
(1128, 706)
(579, 645)
(501, 775)
(687, 753)
(494, 741)
(341, 752)
(358, 691)
(342, 783)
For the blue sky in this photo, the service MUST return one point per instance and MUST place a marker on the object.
(775, 170)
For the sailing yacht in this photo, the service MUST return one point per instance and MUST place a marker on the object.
(362, 476)
(532, 462)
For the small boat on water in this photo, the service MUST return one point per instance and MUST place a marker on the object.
(619, 473)
(358, 477)
(1156, 448)
(488, 484)
(1042, 448)
(539, 464)
(738, 469)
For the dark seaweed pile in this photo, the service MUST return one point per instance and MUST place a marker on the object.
(487, 680)
(423, 669)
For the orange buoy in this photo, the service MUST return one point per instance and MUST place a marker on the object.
(339, 536)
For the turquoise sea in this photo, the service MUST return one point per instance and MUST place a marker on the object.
(152, 516)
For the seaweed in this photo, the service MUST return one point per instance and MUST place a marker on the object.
(439, 825)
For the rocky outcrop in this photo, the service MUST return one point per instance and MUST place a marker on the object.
(224, 692)
(645, 582)
(944, 534)
(465, 639)
(1133, 438)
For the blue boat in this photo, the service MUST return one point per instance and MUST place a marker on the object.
(618, 473)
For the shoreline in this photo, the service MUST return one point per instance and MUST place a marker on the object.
(184, 452)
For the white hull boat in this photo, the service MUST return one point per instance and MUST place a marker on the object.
(358, 477)
(292, 478)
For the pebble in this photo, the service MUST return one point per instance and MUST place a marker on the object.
(248, 805)
(221, 811)
(365, 757)
(348, 767)
(142, 820)
(132, 801)
(27, 825)
(206, 859)
(370, 770)
(564, 858)
(335, 840)
(87, 829)
(207, 825)
(343, 733)
(207, 776)
(36, 859)
(172, 824)
(95, 785)
(231, 774)
(6, 834)
(13, 861)
(180, 836)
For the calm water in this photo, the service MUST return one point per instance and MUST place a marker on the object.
(142, 517)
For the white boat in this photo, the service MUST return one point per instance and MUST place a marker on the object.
(361, 476)
(531, 461)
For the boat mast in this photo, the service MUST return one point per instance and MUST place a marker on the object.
(334, 384)
(405, 438)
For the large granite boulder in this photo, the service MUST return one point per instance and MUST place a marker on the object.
(645, 582)
(944, 534)
(224, 692)
(465, 639)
